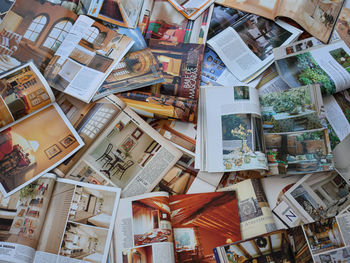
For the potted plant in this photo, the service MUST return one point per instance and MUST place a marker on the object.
(271, 155)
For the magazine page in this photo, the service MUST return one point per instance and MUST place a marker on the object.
(295, 128)
(201, 222)
(86, 57)
(326, 65)
(145, 16)
(341, 162)
(191, 9)
(265, 8)
(22, 217)
(120, 12)
(23, 91)
(215, 73)
(271, 82)
(205, 182)
(20, 42)
(128, 154)
(342, 25)
(34, 146)
(275, 187)
(137, 69)
(316, 17)
(254, 38)
(318, 196)
(165, 23)
(79, 223)
(143, 230)
(89, 120)
(255, 215)
(337, 109)
(271, 247)
(233, 129)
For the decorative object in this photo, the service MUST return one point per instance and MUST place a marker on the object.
(52, 151)
(137, 133)
(128, 144)
(119, 126)
(67, 141)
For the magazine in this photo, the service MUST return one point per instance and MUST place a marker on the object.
(120, 12)
(314, 197)
(254, 38)
(120, 148)
(305, 63)
(150, 227)
(296, 138)
(177, 96)
(316, 17)
(191, 9)
(326, 240)
(85, 58)
(160, 20)
(20, 42)
(139, 68)
(58, 220)
(35, 135)
(255, 215)
(342, 26)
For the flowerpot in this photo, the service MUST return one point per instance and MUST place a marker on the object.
(273, 168)
(271, 158)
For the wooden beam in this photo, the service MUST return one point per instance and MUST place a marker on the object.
(245, 252)
(256, 247)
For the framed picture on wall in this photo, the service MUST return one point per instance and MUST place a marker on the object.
(137, 133)
(128, 144)
(67, 141)
(52, 151)
(151, 147)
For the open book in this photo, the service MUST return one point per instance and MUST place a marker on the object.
(316, 17)
(56, 220)
(85, 58)
(120, 12)
(289, 128)
(121, 149)
(151, 226)
(326, 240)
(35, 135)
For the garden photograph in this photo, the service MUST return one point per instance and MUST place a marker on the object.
(341, 57)
(303, 69)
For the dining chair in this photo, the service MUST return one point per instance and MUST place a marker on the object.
(105, 156)
(123, 167)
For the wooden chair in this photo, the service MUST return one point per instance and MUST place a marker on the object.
(105, 156)
(123, 167)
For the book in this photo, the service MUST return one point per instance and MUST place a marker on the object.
(316, 17)
(119, 12)
(35, 135)
(191, 9)
(20, 42)
(139, 68)
(57, 219)
(175, 228)
(121, 149)
(326, 240)
(85, 58)
(289, 128)
(255, 38)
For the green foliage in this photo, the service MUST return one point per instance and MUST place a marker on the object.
(312, 73)
(230, 122)
(28, 191)
(307, 136)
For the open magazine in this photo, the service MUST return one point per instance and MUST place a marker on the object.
(120, 148)
(139, 67)
(316, 17)
(191, 9)
(150, 227)
(305, 62)
(58, 220)
(326, 240)
(120, 12)
(85, 58)
(35, 135)
(296, 138)
(254, 38)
